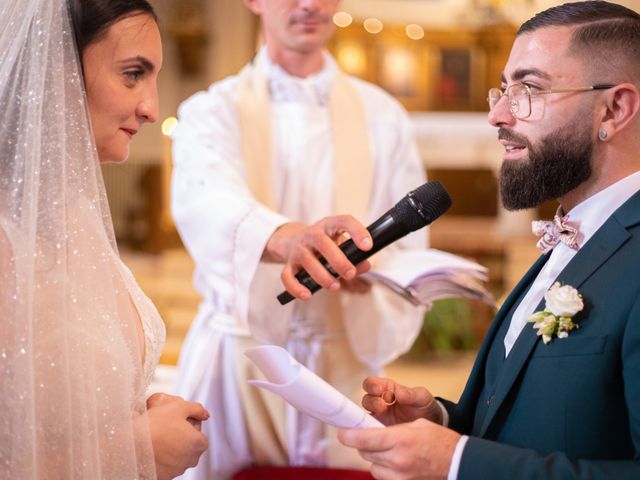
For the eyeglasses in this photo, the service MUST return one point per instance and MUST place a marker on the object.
(519, 96)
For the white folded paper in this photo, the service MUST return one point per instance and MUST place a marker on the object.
(306, 391)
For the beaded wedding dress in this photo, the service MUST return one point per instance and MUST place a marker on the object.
(78, 339)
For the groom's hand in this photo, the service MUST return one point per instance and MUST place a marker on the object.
(393, 403)
(409, 451)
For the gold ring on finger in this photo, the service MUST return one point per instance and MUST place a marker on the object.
(388, 397)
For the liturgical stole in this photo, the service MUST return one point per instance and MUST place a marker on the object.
(351, 150)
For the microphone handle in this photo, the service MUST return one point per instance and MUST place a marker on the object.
(383, 231)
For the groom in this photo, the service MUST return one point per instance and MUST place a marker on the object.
(566, 405)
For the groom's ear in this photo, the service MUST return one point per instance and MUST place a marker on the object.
(620, 108)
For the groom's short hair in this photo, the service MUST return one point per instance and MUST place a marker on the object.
(606, 37)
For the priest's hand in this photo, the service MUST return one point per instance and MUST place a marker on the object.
(174, 426)
(417, 450)
(355, 285)
(298, 246)
(392, 403)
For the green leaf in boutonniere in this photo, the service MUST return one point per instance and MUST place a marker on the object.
(562, 303)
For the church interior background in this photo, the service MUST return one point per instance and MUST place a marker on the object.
(438, 58)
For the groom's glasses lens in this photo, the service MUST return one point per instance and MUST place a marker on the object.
(518, 96)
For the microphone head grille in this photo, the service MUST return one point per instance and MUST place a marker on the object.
(422, 206)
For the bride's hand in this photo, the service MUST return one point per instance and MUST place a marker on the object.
(174, 425)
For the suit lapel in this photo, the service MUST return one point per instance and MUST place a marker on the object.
(472, 390)
(604, 243)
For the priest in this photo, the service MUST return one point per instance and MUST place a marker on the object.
(265, 161)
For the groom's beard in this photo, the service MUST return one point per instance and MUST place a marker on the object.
(560, 163)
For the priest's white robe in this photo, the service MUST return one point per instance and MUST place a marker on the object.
(341, 336)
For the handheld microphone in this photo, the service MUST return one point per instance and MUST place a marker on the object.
(417, 209)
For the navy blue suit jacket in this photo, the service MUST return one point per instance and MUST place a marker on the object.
(569, 409)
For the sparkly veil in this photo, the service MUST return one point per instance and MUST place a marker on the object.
(71, 375)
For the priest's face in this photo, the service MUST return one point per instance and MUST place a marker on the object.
(303, 26)
(549, 142)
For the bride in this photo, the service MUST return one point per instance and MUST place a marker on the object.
(78, 339)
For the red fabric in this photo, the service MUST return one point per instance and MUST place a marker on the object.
(301, 473)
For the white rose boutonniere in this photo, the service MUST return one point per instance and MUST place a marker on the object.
(562, 303)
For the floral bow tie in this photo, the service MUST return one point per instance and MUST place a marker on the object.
(560, 229)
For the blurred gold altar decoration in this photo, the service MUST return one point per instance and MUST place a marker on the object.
(427, 69)
(186, 28)
(436, 71)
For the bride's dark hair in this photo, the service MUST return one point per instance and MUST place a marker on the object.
(92, 18)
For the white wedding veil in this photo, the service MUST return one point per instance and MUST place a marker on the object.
(71, 390)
